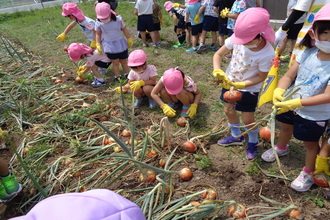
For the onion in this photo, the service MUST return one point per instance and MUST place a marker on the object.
(150, 177)
(237, 211)
(71, 89)
(321, 180)
(182, 121)
(162, 162)
(189, 146)
(293, 213)
(152, 153)
(194, 203)
(63, 75)
(79, 79)
(103, 118)
(185, 173)
(125, 133)
(58, 81)
(209, 194)
(232, 95)
(265, 133)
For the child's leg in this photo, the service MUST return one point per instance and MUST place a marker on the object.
(170, 99)
(157, 36)
(188, 36)
(202, 38)
(186, 98)
(312, 150)
(96, 73)
(4, 170)
(153, 36)
(147, 91)
(115, 67)
(214, 37)
(9, 187)
(124, 65)
(221, 40)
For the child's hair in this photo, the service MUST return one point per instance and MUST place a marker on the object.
(182, 73)
(318, 27)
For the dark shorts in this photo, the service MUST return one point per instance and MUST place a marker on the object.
(188, 25)
(303, 129)
(181, 23)
(114, 56)
(157, 26)
(223, 30)
(210, 23)
(102, 64)
(145, 23)
(196, 29)
(294, 31)
(248, 103)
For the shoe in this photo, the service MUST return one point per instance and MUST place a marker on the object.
(192, 50)
(126, 75)
(251, 151)
(11, 185)
(118, 78)
(178, 44)
(4, 196)
(154, 45)
(103, 71)
(213, 47)
(230, 140)
(269, 155)
(145, 45)
(201, 48)
(158, 43)
(303, 182)
(138, 102)
(152, 103)
(98, 82)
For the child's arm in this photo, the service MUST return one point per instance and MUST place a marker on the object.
(126, 32)
(288, 77)
(62, 36)
(98, 41)
(320, 99)
(198, 95)
(136, 11)
(155, 91)
(186, 19)
(233, 16)
(217, 57)
(151, 81)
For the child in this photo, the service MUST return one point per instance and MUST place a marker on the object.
(144, 10)
(113, 3)
(196, 27)
(248, 68)
(93, 61)
(175, 86)
(142, 77)
(109, 28)
(322, 159)
(9, 187)
(311, 105)
(157, 19)
(87, 25)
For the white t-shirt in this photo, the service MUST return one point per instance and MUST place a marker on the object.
(144, 7)
(246, 63)
(303, 5)
(290, 7)
(92, 58)
(149, 72)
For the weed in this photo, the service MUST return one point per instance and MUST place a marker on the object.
(253, 168)
(203, 161)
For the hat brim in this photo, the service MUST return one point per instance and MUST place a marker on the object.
(237, 40)
(173, 92)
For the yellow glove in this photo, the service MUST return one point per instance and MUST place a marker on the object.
(238, 85)
(220, 74)
(176, 5)
(80, 70)
(224, 12)
(99, 48)
(61, 37)
(192, 110)
(135, 85)
(286, 106)
(118, 89)
(93, 44)
(168, 111)
(278, 95)
(226, 84)
(129, 42)
(161, 21)
(197, 19)
(322, 165)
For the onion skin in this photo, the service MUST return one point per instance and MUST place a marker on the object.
(293, 213)
(182, 121)
(185, 173)
(237, 211)
(79, 79)
(232, 96)
(189, 146)
(162, 162)
(321, 180)
(150, 178)
(125, 133)
(265, 133)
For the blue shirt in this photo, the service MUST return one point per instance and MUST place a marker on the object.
(238, 7)
(192, 9)
(87, 26)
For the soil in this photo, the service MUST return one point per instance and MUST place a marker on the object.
(231, 175)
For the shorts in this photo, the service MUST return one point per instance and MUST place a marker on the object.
(188, 25)
(181, 23)
(303, 129)
(102, 64)
(210, 23)
(145, 23)
(248, 102)
(294, 31)
(114, 56)
(157, 26)
(223, 30)
(196, 29)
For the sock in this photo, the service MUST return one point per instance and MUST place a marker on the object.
(307, 171)
(253, 136)
(235, 130)
(201, 44)
(282, 148)
(181, 38)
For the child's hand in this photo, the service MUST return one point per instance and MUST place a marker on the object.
(224, 12)
(80, 70)
(236, 85)
(93, 44)
(135, 85)
(130, 42)
(279, 37)
(287, 105)
(99, 48)
(192, 110)
(168, 111)
(197, 19)
(176, 5)
(278, 95)
(322, 165)
(61, 37)
(220, 74)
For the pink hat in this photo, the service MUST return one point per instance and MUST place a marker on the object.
(72, 9)
(250, 23)
(75, 51)
(190, 2)
(103, 10)
(173, 81)
(168, 5)
(137, 58)
(323, 14)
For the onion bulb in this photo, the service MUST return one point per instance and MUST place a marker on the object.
(189, 146)
(185, 173)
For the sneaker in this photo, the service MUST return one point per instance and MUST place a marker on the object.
(98, 82)
(138, 102)
(213, 47)
(145, 45)
(251, 151)
(152, 103)
(178, 44)
(158, 43)
(126, 75)
(303, 182)
(269, 155)
(103, 71)
(201, 48)
(192, 50)
(4, 196)
(11, 185)
(230, 140)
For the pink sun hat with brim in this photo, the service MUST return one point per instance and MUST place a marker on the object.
(75, 51)
(173, 81)
(96, 204)
(103, 10)
(72, 9)
(323, 14)
(190, 2)
(168, 5)
(137, 58)
(250, 23)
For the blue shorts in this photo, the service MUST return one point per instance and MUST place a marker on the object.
(102, 64)
(303, 129)
(210, 23)
(122, 55)
(145, 23)
(248, 102)
(294, 31)
(196, 29)
(223, 30)
(157, 26)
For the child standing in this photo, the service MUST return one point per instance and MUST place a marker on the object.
(157, 19)
(248, 68)
(9, 187)
(93, 61)
(109, 28)
(175, 86)
(238, 7)
(311, 106)
(142, 78)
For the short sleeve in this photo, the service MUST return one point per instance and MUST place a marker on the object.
(229, 44)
